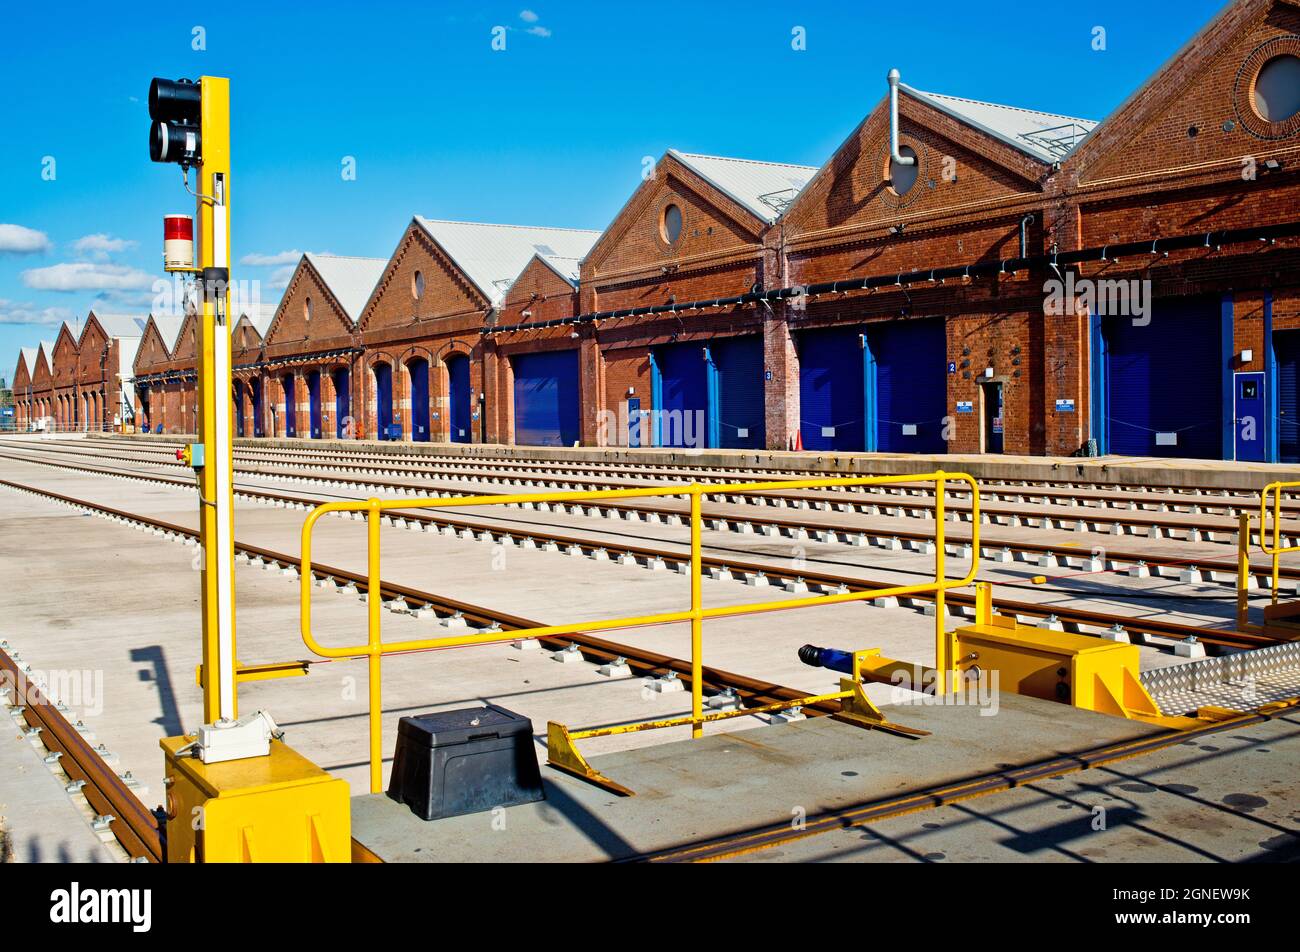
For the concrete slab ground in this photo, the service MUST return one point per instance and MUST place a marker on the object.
(1229, 797)
(39, 822)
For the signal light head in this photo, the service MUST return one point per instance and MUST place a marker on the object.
(176, 107)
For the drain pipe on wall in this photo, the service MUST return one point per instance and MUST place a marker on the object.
(893, 121)
(1024, 235)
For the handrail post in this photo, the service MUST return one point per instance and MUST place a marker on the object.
(943, 654)
(697, 619)
(374, 600)
(1243, 569)
(1277, 537)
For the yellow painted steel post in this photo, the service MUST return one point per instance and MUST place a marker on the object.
(374, 600)
(1243, 569)
(216, 497)
(943, 651)
(697, 620)
(1277, 538)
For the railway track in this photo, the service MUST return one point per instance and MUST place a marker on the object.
(805, 578)
(1149, 497)
(803, 528)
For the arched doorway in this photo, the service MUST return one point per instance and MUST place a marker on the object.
(383, 401)
(418, 368)
(459, 412)
(342, 404)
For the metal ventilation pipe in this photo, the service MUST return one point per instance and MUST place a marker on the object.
(893, 121)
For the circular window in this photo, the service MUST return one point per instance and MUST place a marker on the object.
(306, 309)
(903, 177)
(1276, 96)
(417, 285)
(670, 227)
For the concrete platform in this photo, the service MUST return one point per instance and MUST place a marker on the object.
(1228, 797)
(692, 790)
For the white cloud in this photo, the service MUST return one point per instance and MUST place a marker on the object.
(14, 312)
(279, 279)
(538, 31)
(528, 16)
(87, 276)
(261, 260)
(15, 239)
(100, 246)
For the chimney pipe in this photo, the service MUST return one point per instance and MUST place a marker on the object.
(893, 121)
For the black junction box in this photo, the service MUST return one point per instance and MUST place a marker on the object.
(465, 761)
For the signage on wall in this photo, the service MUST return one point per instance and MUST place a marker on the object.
(768, 375)
(952, 366)
(965, 406)
(1064, 406)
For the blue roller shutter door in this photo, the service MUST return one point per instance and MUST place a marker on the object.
(459, 410)
(1287, 348)
(546, 398)
(741, 420)
(832, 405)
(681, 382)
(1165, 381)
(911, 385)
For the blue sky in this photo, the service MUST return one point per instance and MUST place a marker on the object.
(550, 131)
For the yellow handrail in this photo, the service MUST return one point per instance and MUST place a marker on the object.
(1276, 550)
(374, 648)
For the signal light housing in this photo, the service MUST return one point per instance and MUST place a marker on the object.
(176, 107)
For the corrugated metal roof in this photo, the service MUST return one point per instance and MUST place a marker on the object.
(27, 355)
(492, 256)
(122, 325)
(169, 327)
(351, 280)
(1044, 135)
(566, 268)
(47, 346)
(765, 188)
(128, 347)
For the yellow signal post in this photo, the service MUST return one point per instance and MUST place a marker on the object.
(235, 792)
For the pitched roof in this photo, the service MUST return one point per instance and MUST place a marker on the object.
(567, 268)
(47, 350)
(765, 188)
(122, 325)
(492, 256)
(169, 328)
(27, 357)
(260, 316)
(350, 280)
(1046, 136)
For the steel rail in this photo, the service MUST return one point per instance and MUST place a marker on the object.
(1225, 566)
(1142, 627)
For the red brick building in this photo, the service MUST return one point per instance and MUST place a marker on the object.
(1010, 281)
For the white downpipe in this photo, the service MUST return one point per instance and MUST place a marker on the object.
(893, 121)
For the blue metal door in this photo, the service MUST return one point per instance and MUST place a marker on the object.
(680, 378)
(1164, 381)
(633, 422)
(546, 398)
(1286, 347)
(832, 404)
(419, 371)
(342, 403)
(458, 399)
(313, 404)
(1250, 416)
(257, 406)
(290, 406)
(383, 401)
(740, 415)
(237, 397)
(908, 361)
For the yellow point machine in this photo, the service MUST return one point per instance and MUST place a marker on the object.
(235, 791)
